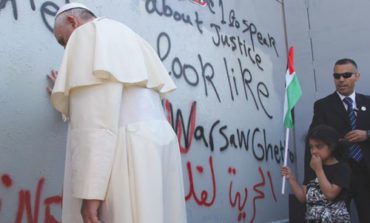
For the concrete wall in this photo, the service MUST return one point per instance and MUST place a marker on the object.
(323, 32)
(228, 59)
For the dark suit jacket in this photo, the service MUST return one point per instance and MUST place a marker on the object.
(331, 111)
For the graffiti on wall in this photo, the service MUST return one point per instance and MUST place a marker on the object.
(240, 79)
(221, 79)
(31, 203)
(46, 9)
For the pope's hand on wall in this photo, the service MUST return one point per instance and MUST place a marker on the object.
(51, 77)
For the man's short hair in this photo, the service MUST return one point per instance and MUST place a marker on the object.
(346, 61)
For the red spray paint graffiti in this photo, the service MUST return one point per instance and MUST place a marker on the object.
(28, 210)
(199, 2)
(179, 125)
(203, 200)
(31, 208)
(239, 201)
(7, 180)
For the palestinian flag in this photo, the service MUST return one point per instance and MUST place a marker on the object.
(292, 91)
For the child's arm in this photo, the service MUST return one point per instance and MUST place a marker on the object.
(298, 190)
(330, 190)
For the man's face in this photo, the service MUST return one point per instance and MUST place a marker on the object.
(64, 29)
(62, 34)
(346, 86)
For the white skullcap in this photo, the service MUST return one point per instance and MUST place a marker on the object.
(72, 5)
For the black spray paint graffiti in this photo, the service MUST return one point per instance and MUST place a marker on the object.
(260, 91)
(235, 43)
(48, 8)
(219, 137)
(152, 6)
(189, 72)
(14, 7)
(246, 28)
(250, 29)
(203, 72)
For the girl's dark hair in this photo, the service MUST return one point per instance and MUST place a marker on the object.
(330, 137)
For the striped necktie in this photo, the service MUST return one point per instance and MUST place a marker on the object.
(355, 151)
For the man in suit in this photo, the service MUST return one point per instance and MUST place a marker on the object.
(349, 113)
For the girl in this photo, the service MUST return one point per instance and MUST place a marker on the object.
(326, 192)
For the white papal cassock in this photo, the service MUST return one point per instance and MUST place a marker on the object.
(120, 147)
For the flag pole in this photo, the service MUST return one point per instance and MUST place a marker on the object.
(292, 94)
(285, 158)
